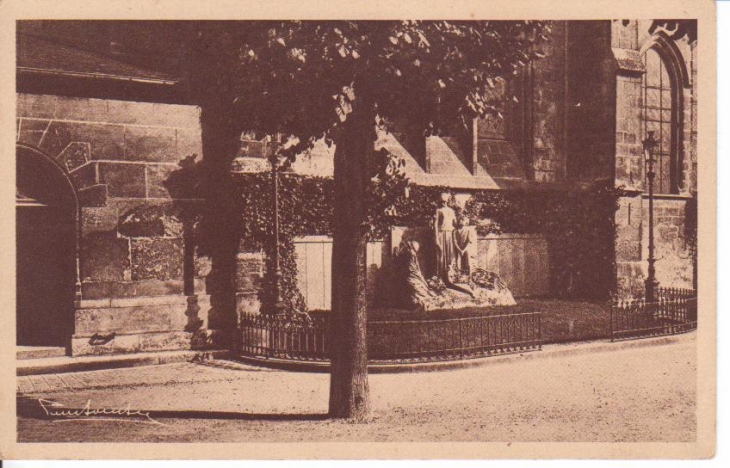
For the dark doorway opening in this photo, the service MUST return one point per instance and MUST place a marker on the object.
(46, 251)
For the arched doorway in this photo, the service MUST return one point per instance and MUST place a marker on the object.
(46, 230)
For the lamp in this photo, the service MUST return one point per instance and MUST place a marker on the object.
(651, 282)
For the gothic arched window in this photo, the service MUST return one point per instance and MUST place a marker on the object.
(660, 114)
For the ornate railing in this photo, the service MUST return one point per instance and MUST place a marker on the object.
(674, 311)
(306, 339)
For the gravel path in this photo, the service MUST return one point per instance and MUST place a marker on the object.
(636, 394)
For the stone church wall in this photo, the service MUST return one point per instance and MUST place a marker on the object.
(142, 286)
(548, 110)
(674, 218)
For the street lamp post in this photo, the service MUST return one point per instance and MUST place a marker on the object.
(279, 307)
(651, 282)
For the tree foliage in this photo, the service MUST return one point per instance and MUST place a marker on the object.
(300, 78)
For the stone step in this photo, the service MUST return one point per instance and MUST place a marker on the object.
(39, 352)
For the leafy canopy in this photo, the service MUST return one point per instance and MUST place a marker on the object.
(301, 78)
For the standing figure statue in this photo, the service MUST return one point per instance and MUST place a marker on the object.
(464, 243)
(444, 221)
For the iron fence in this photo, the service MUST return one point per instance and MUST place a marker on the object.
(306, 339)
(298, 338)
(674, 311)
(451, 339)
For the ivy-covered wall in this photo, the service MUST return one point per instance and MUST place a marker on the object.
(305, 208)
(577, 222)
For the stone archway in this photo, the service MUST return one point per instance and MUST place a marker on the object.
(47, 247)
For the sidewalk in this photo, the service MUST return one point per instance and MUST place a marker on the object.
(138, 376)
(64, 364)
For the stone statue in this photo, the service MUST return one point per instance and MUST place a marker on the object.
(444, 221)
(455, 249)
(417, 293)
(465, 243)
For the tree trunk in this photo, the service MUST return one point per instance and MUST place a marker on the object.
(349, 393)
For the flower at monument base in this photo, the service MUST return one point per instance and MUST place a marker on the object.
(436, 284)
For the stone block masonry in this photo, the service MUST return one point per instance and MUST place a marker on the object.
(673, 251)
(129, 146)
(122, 157)
(548, 163)
(250, 267)
(674, 267)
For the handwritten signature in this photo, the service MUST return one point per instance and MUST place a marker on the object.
(87, 413)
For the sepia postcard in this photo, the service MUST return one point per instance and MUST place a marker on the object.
(317, 230)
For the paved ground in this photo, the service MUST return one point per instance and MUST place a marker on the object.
(636, 394)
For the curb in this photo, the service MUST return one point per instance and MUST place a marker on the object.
(547, 351)
(69, 364)
(66, 364)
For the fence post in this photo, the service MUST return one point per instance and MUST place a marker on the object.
(482, 348)
(461, 339)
